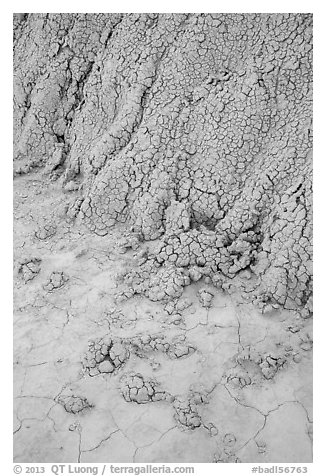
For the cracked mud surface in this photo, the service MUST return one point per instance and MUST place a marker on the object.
(100, 379)
(162, 238)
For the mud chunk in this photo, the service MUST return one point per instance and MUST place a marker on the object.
(262, 446)
(180, 348)
(271, 364)
(229, 439)
(56, 280)
(71, 186)
(73, 403)
(176, 348)
(195, 274)
(106, 367)
(178, 305)
(130, 241)
(29, 269)
(306, 343)
(75, 427)
(155, 365)
(186, 412)
(116, 318)
(104, 355)
(175, 319)
(251, 366)
(139, 389)
(177, 217)
(213, 431)
(205, 297)
(297, 358)
(182, 304)
(46, 232)
(238, 377)
(57, 159)
(224, 456)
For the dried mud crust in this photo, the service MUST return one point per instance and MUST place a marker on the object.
(194, 128)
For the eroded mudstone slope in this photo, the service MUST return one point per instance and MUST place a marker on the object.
(193, 128)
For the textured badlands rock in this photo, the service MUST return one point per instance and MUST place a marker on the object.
(195, 129)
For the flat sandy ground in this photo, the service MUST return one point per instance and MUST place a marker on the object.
(215, 384)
